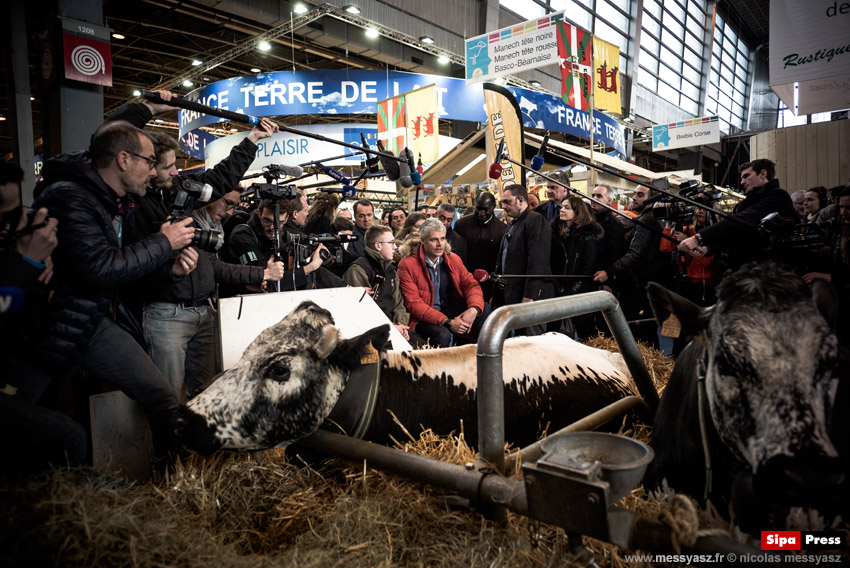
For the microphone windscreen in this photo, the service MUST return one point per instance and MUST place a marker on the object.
(481, 275)
(404, 172)
(348, 191)
(416, 178)
(495, 171)
(391, 168)
(11, 299)
(537, 163)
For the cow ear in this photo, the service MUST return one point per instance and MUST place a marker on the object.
(666, 303)
(826, 300)
(349, 353)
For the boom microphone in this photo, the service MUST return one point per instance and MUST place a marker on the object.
(481, 276)
(391, 167)
(346, 190)
(404, 168)
(330, 172)
(371, 160)
(496, 168)
(537, 160)
(415, 176)
(11, 299)
(292, 171)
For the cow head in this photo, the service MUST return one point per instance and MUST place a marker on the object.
(770, 379)
(285, 385)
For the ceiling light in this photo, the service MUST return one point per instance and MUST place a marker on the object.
(300, 9)
(372, 33)
(352, 9)
(255, 69)
(264, 46)
(137, 93)
(197, 62)
(426, 39)
(32, 98)
(158, 120)
(187, 83)
(534, 83)
(2, 118)
(206, 78)
(118, 36)
(234, 130)
(442, 60)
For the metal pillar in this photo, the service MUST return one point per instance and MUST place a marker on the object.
(18, 88)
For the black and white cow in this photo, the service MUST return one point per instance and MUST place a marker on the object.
(291, 376)
(769, 362)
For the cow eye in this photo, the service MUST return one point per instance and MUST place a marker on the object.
(278, 372)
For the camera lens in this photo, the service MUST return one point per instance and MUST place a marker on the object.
(206, 239)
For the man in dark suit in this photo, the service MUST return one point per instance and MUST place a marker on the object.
(483, 233)
(556, 193)
(524, 250)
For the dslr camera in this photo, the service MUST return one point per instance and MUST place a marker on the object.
(186, 192)
(303, 247)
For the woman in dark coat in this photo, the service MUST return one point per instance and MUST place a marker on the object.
(576, 248)
(322, 214)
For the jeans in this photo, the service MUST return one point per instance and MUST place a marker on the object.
(182, 342)
(114, 356)
(440, 336)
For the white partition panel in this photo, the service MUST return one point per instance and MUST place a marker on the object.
(243, 318)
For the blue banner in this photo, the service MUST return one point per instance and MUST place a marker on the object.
(285, 93)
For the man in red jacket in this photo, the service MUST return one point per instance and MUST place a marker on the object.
(444, 300)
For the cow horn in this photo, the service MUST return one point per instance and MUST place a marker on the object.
(326, 342)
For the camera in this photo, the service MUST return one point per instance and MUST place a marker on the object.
(672, 209)
(186, 191)
(272, 191)
(784, 233)
(303, 247)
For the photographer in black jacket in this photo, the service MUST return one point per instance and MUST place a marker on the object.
(740, 236)
(86, 322)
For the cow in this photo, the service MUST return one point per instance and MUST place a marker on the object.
(291, 375)
(768, 362)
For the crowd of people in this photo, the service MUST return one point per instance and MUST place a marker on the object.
(119, 267)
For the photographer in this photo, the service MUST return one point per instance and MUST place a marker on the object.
(742, 239)
(253, 244)
(35, 436)
(699, 274)
(642, 263)
(86, 322)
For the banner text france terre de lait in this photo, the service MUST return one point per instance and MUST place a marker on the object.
(286, 93)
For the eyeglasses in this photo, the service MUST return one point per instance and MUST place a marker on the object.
(393, 243)
(151, 161)
(231, 205)
(267, 221)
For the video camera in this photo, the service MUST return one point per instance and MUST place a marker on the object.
(303, 247)
(669, 208)
(186, 191)
(784, 233)
(272, 191)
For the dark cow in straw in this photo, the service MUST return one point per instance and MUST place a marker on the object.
(290, 377)
(768, 361)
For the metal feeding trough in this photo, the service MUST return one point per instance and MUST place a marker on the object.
(579, 478)
(620, 461)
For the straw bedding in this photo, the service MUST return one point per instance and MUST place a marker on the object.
(260, 509)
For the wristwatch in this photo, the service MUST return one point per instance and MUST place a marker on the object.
(447, 324)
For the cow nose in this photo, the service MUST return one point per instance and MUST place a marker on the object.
(801, 480)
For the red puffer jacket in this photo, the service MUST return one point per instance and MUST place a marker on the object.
(418, 292)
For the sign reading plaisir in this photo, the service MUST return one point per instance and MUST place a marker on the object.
(810, 50)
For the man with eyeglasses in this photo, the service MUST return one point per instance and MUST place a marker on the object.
(86, 323)
(375, 270)
(178, 317)
(445, 302)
